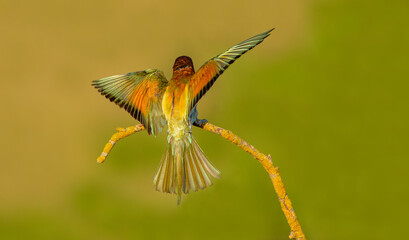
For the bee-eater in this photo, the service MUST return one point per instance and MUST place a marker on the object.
(156, 102)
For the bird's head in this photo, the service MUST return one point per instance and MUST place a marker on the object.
(183, 63)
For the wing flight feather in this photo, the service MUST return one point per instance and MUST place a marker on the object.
(212, 69)
(139, 93)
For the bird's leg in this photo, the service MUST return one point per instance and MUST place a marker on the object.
(193, 116)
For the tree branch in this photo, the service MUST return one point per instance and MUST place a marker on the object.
(121, 133)
(286, 205)
(266, 162)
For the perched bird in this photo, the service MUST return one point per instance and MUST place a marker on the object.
(157, 102)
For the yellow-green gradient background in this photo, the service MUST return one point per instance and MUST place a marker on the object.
(326, 95)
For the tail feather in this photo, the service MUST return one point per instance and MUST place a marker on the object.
(184, 168)
(201, 174)
(207, 164)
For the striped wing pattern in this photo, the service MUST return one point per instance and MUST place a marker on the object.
(139, 93)
(212, 69)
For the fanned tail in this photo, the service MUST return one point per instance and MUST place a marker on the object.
(184, 168)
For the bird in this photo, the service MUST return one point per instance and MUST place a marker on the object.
(156, 102)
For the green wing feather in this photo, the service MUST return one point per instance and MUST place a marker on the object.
(139, 93)
(212, 69)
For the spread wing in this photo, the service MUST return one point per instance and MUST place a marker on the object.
(139, 93)
(212, 69)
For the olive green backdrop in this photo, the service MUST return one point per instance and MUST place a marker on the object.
(326, 95)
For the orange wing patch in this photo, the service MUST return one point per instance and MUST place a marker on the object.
(139, 93)
(205, 75)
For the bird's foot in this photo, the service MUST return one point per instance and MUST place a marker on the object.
(200, 122)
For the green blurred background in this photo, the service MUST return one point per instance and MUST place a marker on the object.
(326, 95)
